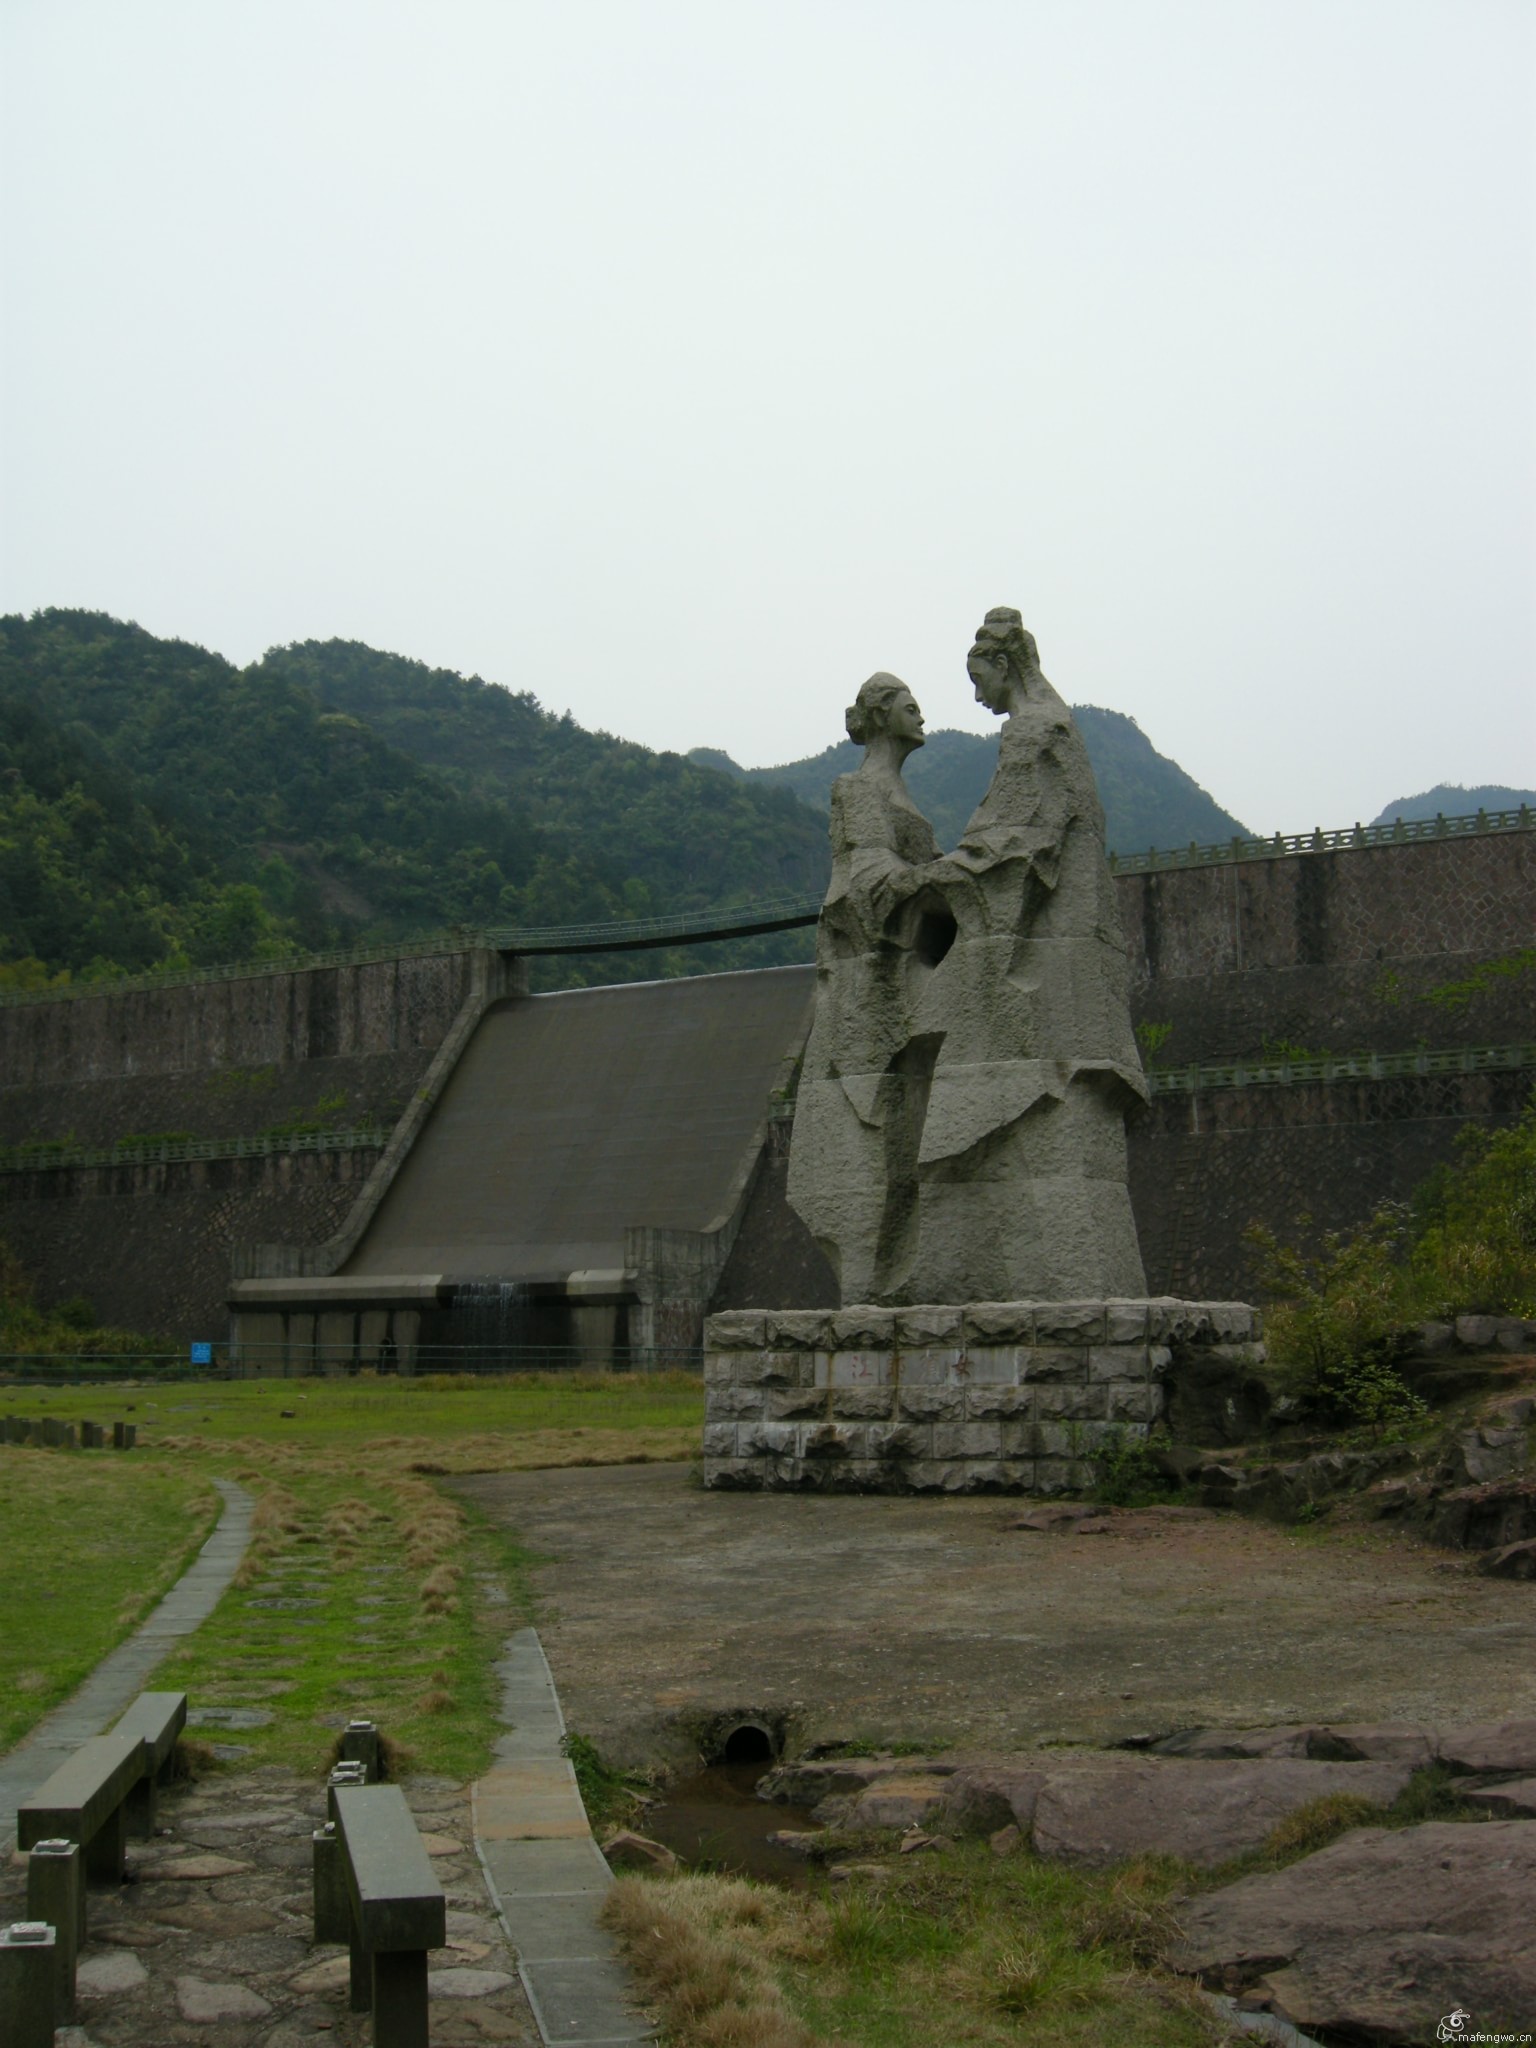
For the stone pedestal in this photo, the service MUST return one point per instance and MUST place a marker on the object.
(994, 1397)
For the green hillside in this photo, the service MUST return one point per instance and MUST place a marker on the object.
(87, 872)
(1148, 799)
(161, 807)
(677, 836)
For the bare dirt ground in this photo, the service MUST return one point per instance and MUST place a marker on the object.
(932, 1622)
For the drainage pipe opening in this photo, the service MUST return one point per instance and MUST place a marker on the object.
(748, 1743)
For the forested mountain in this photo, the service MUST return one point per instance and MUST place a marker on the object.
(687, 836)
(1452, 800)
(1148, 799)
(86, 870)
(251, 812)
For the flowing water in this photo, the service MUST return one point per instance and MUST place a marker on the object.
(715, 1820)
(492, 1313)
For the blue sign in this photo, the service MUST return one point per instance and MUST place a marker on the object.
(202, 1354)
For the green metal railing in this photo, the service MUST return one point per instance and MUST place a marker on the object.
(743, 920)
(1357, 1066)
(1283, 844)
(1291, 1073)
(31, 1157)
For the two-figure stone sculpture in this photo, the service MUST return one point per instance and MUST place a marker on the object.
(960, 1129)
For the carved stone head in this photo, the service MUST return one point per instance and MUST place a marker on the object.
(1002, 660)
(885, 707)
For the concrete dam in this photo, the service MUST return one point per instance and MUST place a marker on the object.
(359, 1161)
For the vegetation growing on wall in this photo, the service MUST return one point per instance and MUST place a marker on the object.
(1487, 974)
(69, 1328)
(1342, 1312)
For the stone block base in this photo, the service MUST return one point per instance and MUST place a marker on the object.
(993, 1397)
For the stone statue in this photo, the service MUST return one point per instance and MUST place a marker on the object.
(960, 1131)
(853, 1158)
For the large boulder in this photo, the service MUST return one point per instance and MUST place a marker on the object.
(1475, 1456)
(1205, 1812)
(1381, 1935)
(1494, 1748)
(1352, 1742)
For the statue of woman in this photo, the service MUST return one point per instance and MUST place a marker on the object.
(852, 1163)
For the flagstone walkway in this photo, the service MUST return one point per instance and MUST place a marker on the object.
(546, 1874)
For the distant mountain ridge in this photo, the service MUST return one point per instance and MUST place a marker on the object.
(1148, 799)
(1452, 800)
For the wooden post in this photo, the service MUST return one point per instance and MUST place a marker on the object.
(56, 1896)
(333, 1910)
(400, 1998)
(27, 1984)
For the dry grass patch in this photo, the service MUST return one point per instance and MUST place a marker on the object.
(954, 1946)
(538, 1450)
(704, 1951)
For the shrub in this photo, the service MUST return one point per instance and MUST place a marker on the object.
(1474, 1248)
(1336, 1326)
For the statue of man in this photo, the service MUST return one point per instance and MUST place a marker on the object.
(1022, 1165)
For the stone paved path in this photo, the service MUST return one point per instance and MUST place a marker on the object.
(119, 1678)
(546, 1873)
(210, 1940)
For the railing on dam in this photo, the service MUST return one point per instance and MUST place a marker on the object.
(1399, 833)
(700, 927)
(1358, 1066)
(42, 1153)
(1323, 1067)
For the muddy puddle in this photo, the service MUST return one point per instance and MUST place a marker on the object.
(715, 1820)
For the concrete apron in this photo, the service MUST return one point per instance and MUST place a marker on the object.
(546, 1874)
(119, 1678)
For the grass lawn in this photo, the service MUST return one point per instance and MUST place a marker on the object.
(89, 1545)
(367, 1589)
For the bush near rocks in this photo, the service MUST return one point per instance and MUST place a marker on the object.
(1344, 1315)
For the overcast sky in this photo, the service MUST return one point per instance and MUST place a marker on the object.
(683, 361)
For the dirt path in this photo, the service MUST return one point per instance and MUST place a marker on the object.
(932, 1622)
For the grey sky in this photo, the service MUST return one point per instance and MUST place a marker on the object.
(684, 361)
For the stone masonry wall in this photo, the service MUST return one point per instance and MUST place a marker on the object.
(150, 1246)
(1385, 947)
(1357, 947)
(996, 1397)
(1205, 1166)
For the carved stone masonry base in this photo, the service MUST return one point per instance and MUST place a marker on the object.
(994, 1397)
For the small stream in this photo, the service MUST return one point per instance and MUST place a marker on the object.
(716, 1820)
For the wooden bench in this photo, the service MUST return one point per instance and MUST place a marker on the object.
(159, 1718)
(398, 1911)
(86, 1801)
(108, 1783)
